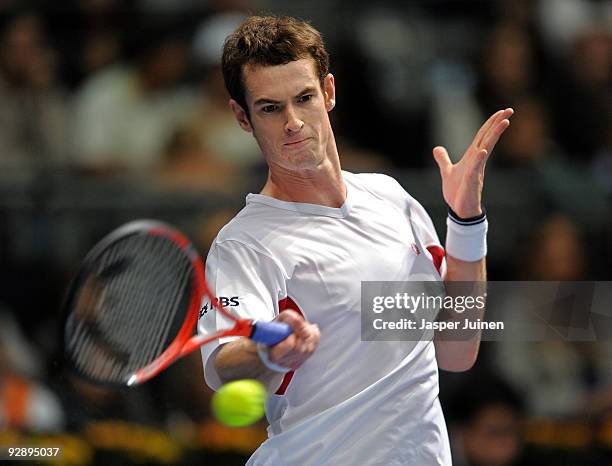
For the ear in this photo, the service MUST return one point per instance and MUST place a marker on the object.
(329, 91)
(241, 116)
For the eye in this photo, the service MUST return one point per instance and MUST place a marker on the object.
(269, 108)
(305, 98)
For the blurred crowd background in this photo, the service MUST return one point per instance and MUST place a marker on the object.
(112, 110)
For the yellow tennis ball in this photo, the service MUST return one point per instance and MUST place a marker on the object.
(239, 403)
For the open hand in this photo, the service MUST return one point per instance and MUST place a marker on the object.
(462, 182)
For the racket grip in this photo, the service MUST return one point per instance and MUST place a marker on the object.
(270, 333)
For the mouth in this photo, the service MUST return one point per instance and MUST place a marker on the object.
(297, 144)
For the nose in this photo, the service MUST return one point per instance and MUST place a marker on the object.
(293, 123)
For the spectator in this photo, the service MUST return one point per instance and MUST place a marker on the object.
(583, 92)
(213, 121)
(508, 67)
(125, 115)
(86, 402)
(25, 404)
(602, 163)
(209, 151)
(541, 165)
(88, 34)
(560, 378)
(487, 425)
(33, 110)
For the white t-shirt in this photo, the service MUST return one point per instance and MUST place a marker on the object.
(352, 401)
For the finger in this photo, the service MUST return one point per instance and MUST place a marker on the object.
(288, 315)
(283, 348)
(303, 348)
(293, 361)
(300, 346)
(481, 160)
(493, 136)
(485, 127)
(309, 345)
(297, 357)
(305, 330)
(490, 123)
(310, 339)
(313, 337)
(441, 157)
(291, 318)
(308, 331)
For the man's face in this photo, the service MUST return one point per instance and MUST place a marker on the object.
(288, 114)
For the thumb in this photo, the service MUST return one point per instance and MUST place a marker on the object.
(442, 159)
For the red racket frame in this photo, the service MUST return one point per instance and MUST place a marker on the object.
(185, 342)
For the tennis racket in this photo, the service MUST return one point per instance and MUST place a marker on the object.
(132, 308)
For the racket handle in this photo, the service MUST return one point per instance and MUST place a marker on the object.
(270, 333)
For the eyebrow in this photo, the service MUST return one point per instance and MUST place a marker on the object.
(266, 100)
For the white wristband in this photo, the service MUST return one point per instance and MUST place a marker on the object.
(466, 242)
(263, 351)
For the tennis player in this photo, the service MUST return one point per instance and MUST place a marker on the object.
(299, 250)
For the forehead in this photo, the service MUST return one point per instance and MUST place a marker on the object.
(279, 81)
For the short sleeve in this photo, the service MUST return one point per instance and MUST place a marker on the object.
(423, 223)
(428, 236)
(248, 283)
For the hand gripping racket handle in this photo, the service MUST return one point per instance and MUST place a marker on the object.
(270, 333)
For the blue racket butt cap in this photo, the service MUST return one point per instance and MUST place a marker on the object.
(270, 333)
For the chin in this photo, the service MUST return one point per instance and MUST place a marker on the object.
(310, 162)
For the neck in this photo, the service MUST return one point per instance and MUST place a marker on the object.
(322, 185)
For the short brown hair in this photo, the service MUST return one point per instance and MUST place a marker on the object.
(269, 41)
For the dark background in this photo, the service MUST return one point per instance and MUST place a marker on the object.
(113, 110)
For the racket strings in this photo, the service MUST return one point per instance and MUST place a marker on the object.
(128, 308)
